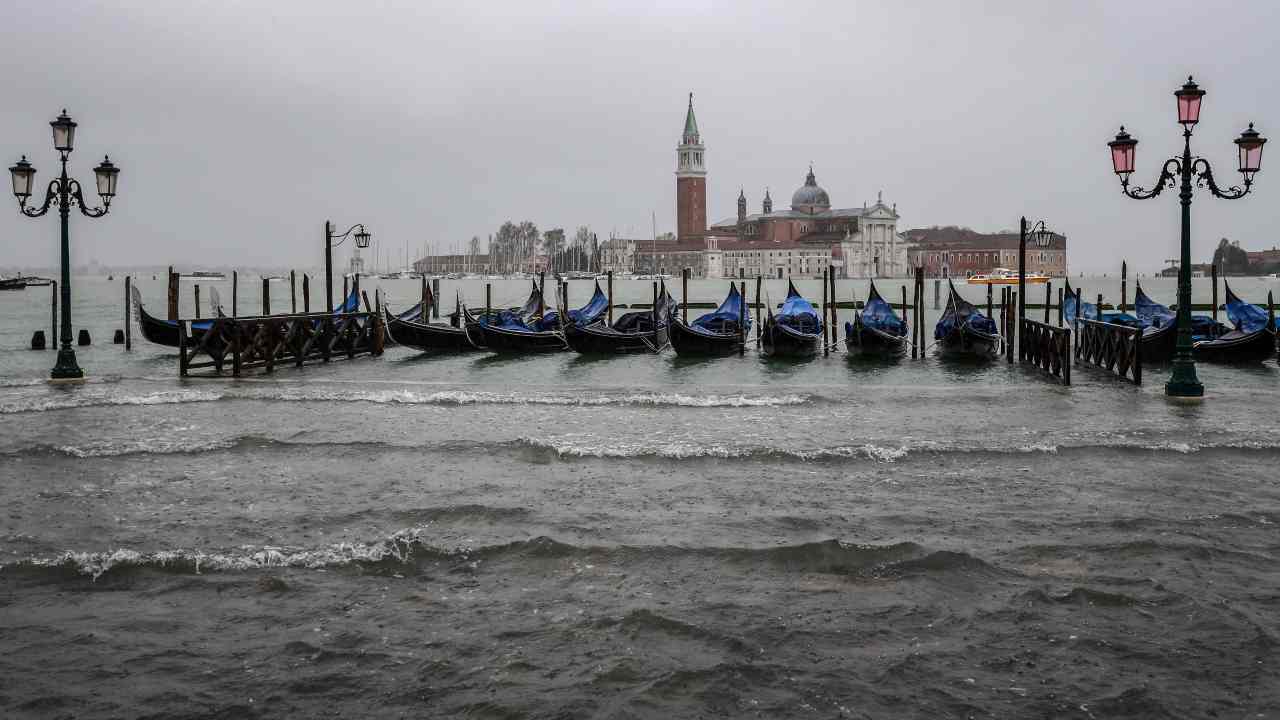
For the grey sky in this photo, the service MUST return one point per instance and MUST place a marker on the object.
(241, 126)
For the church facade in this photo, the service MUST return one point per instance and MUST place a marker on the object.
(799, 240)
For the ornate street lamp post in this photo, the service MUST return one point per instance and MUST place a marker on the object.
(63, 192)
(362, 241)
(1183, 381)
(1043, 236)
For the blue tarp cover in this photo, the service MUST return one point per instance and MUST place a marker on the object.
(1246, 317)
(798, 314)
(725, 319)
(878, 314)
(961, 312)
(1153, 314)
(584, 315)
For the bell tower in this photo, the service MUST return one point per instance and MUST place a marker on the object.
(691, 181)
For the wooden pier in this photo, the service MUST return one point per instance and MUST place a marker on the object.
(247, 343)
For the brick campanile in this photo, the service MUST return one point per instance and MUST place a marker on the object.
(691, 181)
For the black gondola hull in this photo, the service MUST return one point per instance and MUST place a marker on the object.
(781, 341)
(1238, 347)
(1158, 344)
(514, 342)
(428, 336)
(965, 342)
(862, 340)
(689, 343)
(599, 339)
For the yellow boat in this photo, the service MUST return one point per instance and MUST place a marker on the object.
(1004, 276)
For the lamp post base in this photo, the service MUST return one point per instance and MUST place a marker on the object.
(66, 367)
(1183, 382)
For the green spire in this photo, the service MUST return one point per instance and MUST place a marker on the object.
(690, 124)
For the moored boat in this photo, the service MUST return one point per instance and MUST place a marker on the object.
(876, 330)
(633, 332)
(714, 334)
(523, 331)
(795, 331)
(413, 328)
(963, 331)
(1160, 328)
(1252, 338)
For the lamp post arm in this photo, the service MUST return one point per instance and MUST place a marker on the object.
(343, 237)
(50, 199)
(73, 190)
(1204, 176)
(1168, 175)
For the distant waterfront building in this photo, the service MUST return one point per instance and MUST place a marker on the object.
(800, 240)
(961, 252)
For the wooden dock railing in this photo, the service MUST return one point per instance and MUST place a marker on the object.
(263, 342)
(1046, 347)
(1114, 348)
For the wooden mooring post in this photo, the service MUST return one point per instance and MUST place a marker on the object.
(346, 292)
(172, 294)
(306, 293)
(684, 296)
(435, 298)
(759, 282)
(835, 310)
(424, 302)
(1048, 300)
(293, 292)
(1213, 274)
(1124, 285)
(989, 291)
(128, 316)
(266, 297)
(826, 349)
(235, 292)
(1012, 313)
(1061, 295)
(653, 314)
(608, 281)
(195, 293)
(1271, 311)
(742, 319)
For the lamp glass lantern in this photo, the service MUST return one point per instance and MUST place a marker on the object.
(362, 238)
(1250, 144)
(1044, 237)
(105, 175)
(1189, 96)
(1123, 149)
(64, 132)
(24, 177)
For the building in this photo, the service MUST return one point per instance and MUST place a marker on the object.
(859, 242)
(961, 252)
(691, 182)
(439, 264)
(800, 240)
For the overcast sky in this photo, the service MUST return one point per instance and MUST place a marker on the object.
(241, 126)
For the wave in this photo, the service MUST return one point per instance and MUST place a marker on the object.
(404, 551)
(541, 450)
(407, 397)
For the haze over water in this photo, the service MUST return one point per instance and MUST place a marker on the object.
(559, 536)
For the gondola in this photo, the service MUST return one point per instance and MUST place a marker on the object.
(519, 332)
(795, 331)
(876, 331)
(963, 331)
(633, 332)
(1252, 339)
(714, 334)
(413, 328)
(1160, 328)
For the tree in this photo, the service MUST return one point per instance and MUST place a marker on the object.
(1230, 258)
(553, 246)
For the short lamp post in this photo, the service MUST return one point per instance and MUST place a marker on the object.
(1043, 238)
(1183, 381)
(64, 192)
(362, 241)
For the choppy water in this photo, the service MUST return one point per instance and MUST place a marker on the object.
(555, 536)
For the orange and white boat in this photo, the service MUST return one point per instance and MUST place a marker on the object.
(1004, 276)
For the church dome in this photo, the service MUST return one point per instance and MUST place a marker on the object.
(810, 197)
